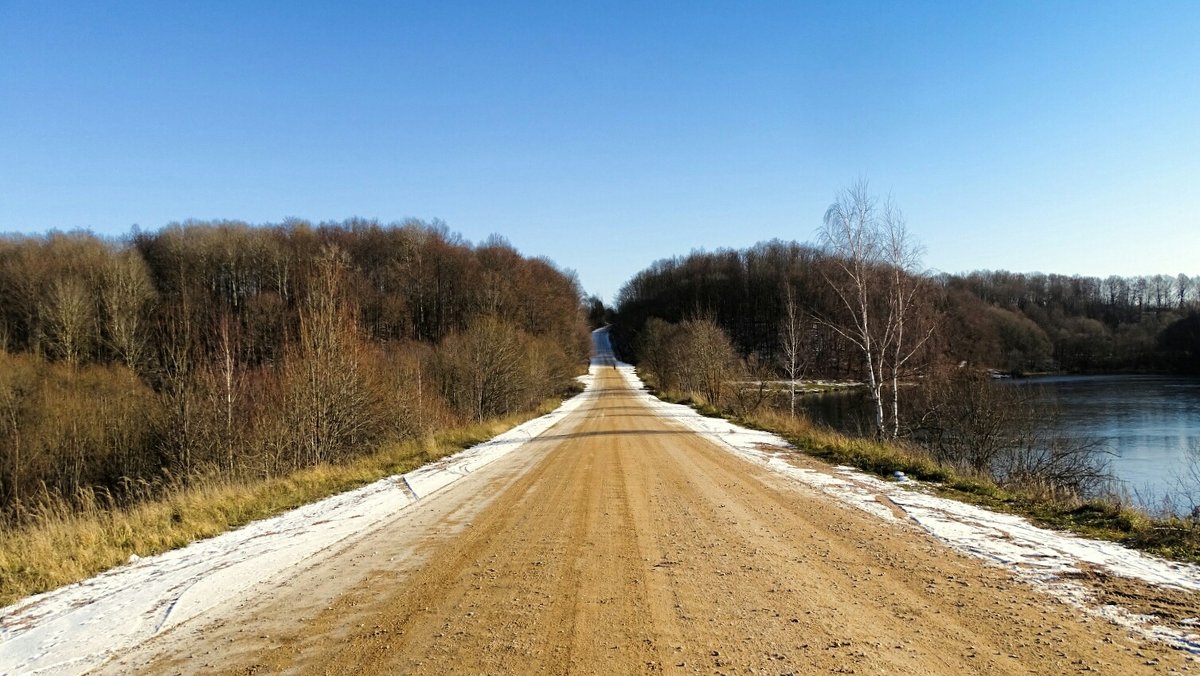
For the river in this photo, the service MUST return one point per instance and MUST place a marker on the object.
(1149, 424)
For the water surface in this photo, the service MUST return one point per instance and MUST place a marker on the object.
(1150, 424)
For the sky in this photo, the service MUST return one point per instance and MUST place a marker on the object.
(1027, 136)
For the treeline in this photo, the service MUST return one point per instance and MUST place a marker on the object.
(743, 292)
(1007, 321)
(1038, 322)
(201, 349)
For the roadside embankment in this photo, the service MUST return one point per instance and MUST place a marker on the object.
(66, 545)
(55, 630)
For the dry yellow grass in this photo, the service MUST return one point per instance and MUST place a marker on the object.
(68, 543)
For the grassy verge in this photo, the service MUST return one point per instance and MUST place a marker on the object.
(70, 544)
(1104, 519)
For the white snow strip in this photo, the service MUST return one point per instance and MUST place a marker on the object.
(76, 628)
(1036, 554)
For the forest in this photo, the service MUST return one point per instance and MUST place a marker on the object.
(1011, 322)
(135, 366)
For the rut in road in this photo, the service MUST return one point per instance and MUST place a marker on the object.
(629, 545)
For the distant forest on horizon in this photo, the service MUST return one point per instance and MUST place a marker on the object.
(1012, 322)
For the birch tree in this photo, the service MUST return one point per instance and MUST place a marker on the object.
(850, 234)
(902, 256)
(791, 338)
(872, 273)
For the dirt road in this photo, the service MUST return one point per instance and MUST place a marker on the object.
(620, 543)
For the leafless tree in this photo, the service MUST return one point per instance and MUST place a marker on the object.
(850, 233)
(902, 255)
(481, 369)
(71, 317)
(178, 383)
(694, 357)
(329, 390)
(1160, 286)
(226, 375)
(126, 295)
(1007, 432)
(23, 271)
(791, 335)
(873, 261)
(11, 447)
(710, 361)
(748, 396)
(658, 353)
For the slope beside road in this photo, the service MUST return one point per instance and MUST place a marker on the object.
(621, 541)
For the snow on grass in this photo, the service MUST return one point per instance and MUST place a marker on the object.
(79, 627)
(75, 628)
(1036, 554)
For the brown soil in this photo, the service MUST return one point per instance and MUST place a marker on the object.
(620, 543)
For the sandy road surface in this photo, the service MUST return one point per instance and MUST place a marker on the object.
(620, 543)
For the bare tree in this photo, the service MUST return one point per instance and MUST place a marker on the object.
(710, 361)
(126, 294)
(23, 273)
(850, 233)
(177, 362)
(227, 375)
(12, 405)
(748, 397)
(1007, 432)
(1160, 286)
(71, 318)
(481, 369)
(330, 393)
(902, 255)
(693, 357)
(791, 335)
(873, 262)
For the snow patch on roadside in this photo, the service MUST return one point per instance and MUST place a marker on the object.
(1036, 554)
(78, 627)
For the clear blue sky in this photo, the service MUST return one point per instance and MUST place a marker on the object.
(1053, 136)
